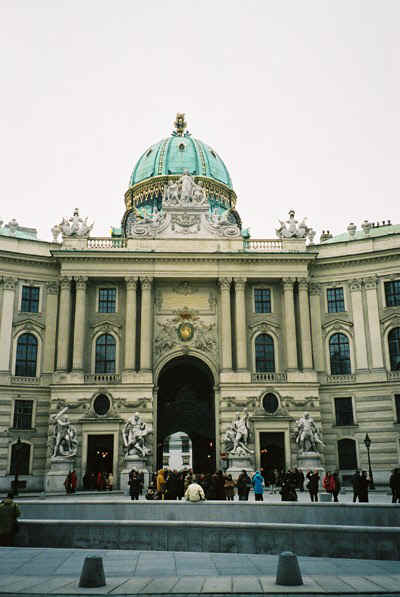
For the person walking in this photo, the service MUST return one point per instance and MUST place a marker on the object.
(258, 485)
(355, 481)
(161, 483)
(194, 492)
(313, 485)
(336, 486)
(363, 485)
(394, 483)
(243, 485)
(9, 513)
(229, 487)
(134, 485)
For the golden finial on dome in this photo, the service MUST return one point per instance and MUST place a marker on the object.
(180, 124)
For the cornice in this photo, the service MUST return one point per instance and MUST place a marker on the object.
(9, 257)
(184, 257)
(358, 259)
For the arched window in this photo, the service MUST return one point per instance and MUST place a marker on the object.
(26, 360)
(339, 351)
(20, 457)
(265, 357)
(347, 454)
(394, 349)
(105, 354)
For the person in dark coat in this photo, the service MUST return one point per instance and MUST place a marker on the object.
(355, 481)
(336, 486)
(394, 483)
(363, 485)
(9, 513)
(243, 485)
(172, 486)
(134, 485)
(313, 485)
(220, 486)
(212, 488)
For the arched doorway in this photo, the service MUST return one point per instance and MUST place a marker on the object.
(185, 402)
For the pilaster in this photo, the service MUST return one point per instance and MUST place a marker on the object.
(240, 323)
(64, 322)
(315, 300)
(359, 327)
(80, 323)
(305, 326)
(7, 312)
(290, 324)
(130, 325)
(374, 323)
(51, 327)
(146, 328)
(226, 328)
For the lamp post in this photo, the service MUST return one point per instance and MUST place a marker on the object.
(367, 443)
(17, 450)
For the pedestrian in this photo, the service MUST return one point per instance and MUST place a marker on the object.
(313, 485)
(336, 486)
(73, 481)
(67, 483)
(194, 492)
(151, 493)
(220, 486)
(9, 513)
(243, 485)
(161, 483)
(355, 481)
(229, 487)
(134, 485)
(288, 489)
(394, 483)
(363, 485)
(258, 484)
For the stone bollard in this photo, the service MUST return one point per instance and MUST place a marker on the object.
(92, 574)
(288, 572)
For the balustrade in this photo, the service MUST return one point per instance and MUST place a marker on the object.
(269, 376)
(106, 243)
(103, 378)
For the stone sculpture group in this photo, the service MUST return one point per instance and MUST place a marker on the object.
(236, 437)
(65, 443)
(74, 226)
(292, 229)
(133, 435)
(307, 435)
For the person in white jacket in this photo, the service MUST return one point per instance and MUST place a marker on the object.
(194, 492)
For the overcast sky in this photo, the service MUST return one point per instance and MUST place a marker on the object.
(300, 98)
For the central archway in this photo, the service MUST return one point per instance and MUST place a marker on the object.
(185, 402)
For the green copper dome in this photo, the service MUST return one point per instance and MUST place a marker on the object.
(178, 153)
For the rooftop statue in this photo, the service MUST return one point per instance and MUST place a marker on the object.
(133, 435)
(64, 435)
(73, 227)
(307, 434)
(236, 436)
(292, 229)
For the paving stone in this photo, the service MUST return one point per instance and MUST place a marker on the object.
(385, 582)
(332, 584)
(269, 586)
(189, 585)
(132, 586)
(217, 584)
(246, 584)
(50, 583)
(20, 583)
(360, 584)
(161, 585)
(74, 588)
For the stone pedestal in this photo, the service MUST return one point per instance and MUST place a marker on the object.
(60, 467)
(139, 464)
(237, 464)
(310, 461)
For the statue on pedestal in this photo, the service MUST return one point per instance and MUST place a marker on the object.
(64, 435)
(236, 437)
(307, 435)
(133, 434)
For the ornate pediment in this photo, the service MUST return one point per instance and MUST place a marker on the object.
(264, 326)
(391, 319)
(28, 325)
(105, 327)
(337, 325)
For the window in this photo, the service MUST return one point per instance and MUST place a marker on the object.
(20, 457)
(265, 358)
(344, 411)
(30, 299)
(339, 352)
(23, 414)
(26, 355)
(101, 404)
(107, 300)
(392, 293)
(394, 349)
(335, 298)
(397, 407)
(185, 444)
(105, 354)
(347, 454)
(270, 403)
(166, 444)
(262, 300)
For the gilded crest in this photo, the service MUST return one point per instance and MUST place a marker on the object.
(185, 331)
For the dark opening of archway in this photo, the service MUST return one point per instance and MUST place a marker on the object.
(186, 403)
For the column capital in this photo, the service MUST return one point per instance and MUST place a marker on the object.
(9, 283)
(225, 284)
(315, 289)
(370, 283)
(80, 282)
(65, 282)
(355, 285)
(240, 283)
(131, 282)
(288, 283)
(303, 283)
(52, 287)
(146, 282)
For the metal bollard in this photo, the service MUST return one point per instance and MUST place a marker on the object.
(92, 574)
(288, 572)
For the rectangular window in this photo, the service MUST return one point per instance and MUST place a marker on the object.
(262, 300)
(185, 444)
(335, 300)
(397, 405)
(344, 411)
(23, 414)
(107, 300)
(30, 299)
(392, 293)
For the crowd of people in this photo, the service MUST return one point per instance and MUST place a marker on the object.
(100, 481)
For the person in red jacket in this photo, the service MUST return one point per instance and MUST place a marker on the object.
(73, 481)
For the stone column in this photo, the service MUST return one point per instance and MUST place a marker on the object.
(226, 329)
(51, 327)
(64, 323)
(146, 325)
(315, 300)
(7, 313)
(359, 327)
(240, 323)
(130, 324)
(80, 323)
(374, 323)
(305, 326)
(290, 324)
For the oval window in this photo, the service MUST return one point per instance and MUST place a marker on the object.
(270, 403)
(182, 147)
(101, 404)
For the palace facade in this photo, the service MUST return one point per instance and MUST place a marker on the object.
(181, 317)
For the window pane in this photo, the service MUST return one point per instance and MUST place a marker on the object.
(265, 358)
(344, 411)
(30, 299)
(105, 354)
(26, 356)
(347, 454)
(23, 414)
(335, 300)
(392, 293)
(394, 349)
(20, 455)
(339, 351)
(107, 300)
(262, 300)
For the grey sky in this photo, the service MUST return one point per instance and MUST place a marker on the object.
(300, 98)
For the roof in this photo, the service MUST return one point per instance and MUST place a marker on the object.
(374, 232)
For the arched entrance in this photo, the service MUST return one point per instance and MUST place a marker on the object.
(185, 402)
